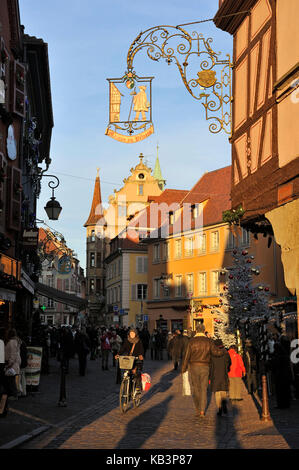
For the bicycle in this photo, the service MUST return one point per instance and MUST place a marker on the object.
(128, 390)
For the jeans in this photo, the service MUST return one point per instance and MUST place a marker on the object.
(200, 381)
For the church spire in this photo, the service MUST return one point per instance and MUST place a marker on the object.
(96, 210)
(158, 173)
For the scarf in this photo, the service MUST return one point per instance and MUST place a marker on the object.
(133, 340)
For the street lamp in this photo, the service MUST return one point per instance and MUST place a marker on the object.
(53, 207)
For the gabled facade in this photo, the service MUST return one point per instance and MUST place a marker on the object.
(265, 138)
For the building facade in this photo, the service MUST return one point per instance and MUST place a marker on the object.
(103, 226)
(26, 121)
(265, 139)
(184, 274)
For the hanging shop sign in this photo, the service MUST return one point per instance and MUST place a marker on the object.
(34, 363)
(130, 108)
(64, 265)
(30, 238)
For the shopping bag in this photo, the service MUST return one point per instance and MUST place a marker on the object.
(186, 384)
(146, 382)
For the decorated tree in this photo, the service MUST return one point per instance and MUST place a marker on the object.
(240, 300)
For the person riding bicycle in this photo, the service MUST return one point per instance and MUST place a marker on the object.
(132, 346)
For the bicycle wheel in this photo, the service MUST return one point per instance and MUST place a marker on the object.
(124, 395)
(136, 396)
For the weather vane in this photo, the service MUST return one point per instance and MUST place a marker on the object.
(173, 44)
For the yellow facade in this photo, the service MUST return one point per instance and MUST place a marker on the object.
(131, 198)
(193, 270)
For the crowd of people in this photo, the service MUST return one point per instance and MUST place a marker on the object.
(208, 362)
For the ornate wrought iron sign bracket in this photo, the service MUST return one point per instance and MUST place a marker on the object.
(174, 44)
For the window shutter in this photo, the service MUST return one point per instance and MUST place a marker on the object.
(145, 265)
(14, 198)
(134, 291)
(18, 88)
(139, 264)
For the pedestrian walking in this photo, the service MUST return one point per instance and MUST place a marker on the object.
(152, 344)
(3, 392)
(236, 372)
(282, 374)
(145, 338)
(22, 381)
(219, 377)
(251, 365)
(13, 362)
(105, 348)
(82, 348)
(115, 342)
(175, 349)
(197, 360)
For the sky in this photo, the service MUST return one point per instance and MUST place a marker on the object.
(88, 42)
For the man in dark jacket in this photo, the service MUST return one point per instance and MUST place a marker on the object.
(175, 348)
(200, 351)
(219, 377)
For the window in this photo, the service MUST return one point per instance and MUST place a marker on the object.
(202, 243)
(93, 236)
(245, 237)
(99, 260)
(231, 241)
(92, 260)
(190, 283)
(122, 211)
(166, 288)
(178, 286)
(165, 251)
(215, 282)
(194, 211)
(141, 291)
(141, 264)
(178, 248)
(50, 320)
(140, 189)
(98, 284)
(157, 252)
(215, 241)
(189, 247)
(202, 281)
(50, 303)
(171, 218)
(156, 288)
(91, 286)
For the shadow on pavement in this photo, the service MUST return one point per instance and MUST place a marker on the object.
(143, 426)
(225, 430)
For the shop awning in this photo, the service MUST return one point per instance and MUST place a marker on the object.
(60, 296)
(8, 295)
(27, 282)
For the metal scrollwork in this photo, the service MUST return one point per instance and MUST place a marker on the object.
(160, 42)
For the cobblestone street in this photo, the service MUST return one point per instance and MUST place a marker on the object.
(164, 420)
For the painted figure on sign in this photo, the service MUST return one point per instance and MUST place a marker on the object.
(141, 104)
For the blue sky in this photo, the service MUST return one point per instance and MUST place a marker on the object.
(88, 41)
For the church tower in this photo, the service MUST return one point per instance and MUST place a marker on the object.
(158, 173)
(95, 255)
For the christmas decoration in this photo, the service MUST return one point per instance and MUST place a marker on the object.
(239, 297)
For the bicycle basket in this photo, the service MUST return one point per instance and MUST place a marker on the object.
(126, 362)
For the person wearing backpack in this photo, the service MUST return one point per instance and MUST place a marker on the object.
(105, 348)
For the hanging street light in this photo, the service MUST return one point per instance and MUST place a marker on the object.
(53, 208)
